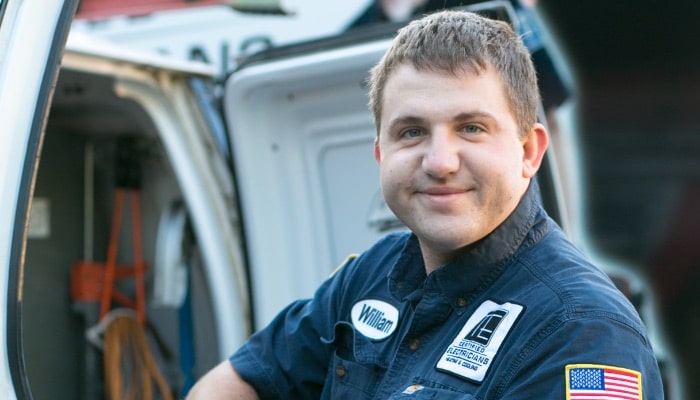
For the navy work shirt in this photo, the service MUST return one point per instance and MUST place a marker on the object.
(522, 315)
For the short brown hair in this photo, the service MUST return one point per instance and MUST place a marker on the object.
(459, 41)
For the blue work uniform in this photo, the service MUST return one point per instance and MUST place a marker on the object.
(521, 315)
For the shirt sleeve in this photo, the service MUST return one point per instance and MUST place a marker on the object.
(598, 354)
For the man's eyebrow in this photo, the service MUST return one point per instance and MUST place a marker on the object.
(473, 115)
(405, 120)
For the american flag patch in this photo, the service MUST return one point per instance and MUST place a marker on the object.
(602, 382)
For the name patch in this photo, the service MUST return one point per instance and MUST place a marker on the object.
(375, 319)
(471, 353)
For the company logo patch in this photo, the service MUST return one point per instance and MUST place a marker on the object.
(588, 381)
(374, 319)
(471, 353)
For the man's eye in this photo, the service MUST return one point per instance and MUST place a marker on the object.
(411, 133)
(471, 128)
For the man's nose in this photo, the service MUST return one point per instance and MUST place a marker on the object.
(441, 156)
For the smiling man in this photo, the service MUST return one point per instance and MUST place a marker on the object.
(484, 298)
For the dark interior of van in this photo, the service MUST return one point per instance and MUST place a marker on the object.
(97, 146)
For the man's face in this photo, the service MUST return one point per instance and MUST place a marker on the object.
(452, 163)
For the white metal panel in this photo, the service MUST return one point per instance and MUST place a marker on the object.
(27, 34)
(302, 139)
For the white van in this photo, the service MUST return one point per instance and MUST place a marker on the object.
(202, 207)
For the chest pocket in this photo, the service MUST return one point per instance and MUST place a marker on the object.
(429, 393)
(357, 367)
(429, 390)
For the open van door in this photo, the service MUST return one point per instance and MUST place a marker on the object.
(116, 200)
(32, 36)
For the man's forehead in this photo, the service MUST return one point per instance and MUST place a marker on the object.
(407, 78)
(413, 96)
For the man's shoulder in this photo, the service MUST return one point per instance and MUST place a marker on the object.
(568, 283)
(378, 258)
(389, 247)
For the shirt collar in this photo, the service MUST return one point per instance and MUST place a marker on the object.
(467, 276)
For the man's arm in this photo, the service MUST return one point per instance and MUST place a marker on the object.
(585, 342)
(222, 383)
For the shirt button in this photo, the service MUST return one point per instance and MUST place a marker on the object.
(340, 371)
(414, 344)
(461, 302)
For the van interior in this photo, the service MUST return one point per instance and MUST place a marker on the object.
(100, 151)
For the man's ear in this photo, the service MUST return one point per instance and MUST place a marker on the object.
(534, 146)
(377, 154)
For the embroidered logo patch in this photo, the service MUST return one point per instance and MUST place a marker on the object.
(374, 319)
(588, 381)
(471, 353)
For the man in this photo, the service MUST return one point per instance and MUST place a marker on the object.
(485, 298)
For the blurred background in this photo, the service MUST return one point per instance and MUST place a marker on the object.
(637, 71)
(633, 67)
(636, 66)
